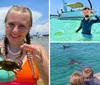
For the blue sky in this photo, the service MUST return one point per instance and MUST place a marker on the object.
(36, 5)
(57, 4)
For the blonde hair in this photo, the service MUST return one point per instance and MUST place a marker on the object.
(77, 79)
(21, 9)
(28, 41)
(88, 72)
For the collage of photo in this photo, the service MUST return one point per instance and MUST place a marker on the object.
(49, 42)
(74, 47)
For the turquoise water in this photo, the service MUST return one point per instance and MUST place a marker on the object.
(60, 71)
(67, 30)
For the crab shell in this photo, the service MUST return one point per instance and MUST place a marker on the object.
(9, 65)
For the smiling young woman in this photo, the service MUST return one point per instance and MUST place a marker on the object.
(17, 46)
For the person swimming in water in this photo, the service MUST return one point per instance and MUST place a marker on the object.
(89, 77)
(77, 79)
(86, 22)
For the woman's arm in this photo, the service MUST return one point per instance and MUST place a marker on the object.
(43, 66)
(97, 18)
(41, 58)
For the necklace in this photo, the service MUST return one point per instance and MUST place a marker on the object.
(12, 52)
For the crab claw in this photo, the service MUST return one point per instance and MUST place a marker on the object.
(19, 62)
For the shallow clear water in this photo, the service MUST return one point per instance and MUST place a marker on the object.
(67, 30)
(60, 71)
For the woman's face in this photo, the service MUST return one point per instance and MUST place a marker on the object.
(17, 26)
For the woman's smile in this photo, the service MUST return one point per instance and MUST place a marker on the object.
(14, 36)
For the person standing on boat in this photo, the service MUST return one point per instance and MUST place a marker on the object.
(62, 11)
(86, 23)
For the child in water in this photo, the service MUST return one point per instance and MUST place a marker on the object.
(89, 76)
(77, 79)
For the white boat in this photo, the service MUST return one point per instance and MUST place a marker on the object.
(75, 11)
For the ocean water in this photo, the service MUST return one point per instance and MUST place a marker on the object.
(42, 41)
(86, 53)
(64, 30)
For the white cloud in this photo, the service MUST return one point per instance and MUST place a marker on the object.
(3, 12)
(36, 16)
(41, 28)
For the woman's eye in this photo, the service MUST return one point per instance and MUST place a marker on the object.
(11, 24)
(22, 27)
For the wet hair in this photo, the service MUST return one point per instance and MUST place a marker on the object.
(5, 45)
(85, 8)
(77, 79)
(87, 73)
(23, 10)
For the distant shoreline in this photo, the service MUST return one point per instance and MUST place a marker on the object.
(44, 41)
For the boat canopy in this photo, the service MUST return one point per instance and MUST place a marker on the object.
(75, 5)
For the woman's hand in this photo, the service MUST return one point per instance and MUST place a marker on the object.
(35, 50)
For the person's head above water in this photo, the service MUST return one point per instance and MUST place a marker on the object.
(88, 73)
(77, 79)
(18, 22)
(86, 12)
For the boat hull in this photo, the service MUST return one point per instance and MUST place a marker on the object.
(71, 15)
